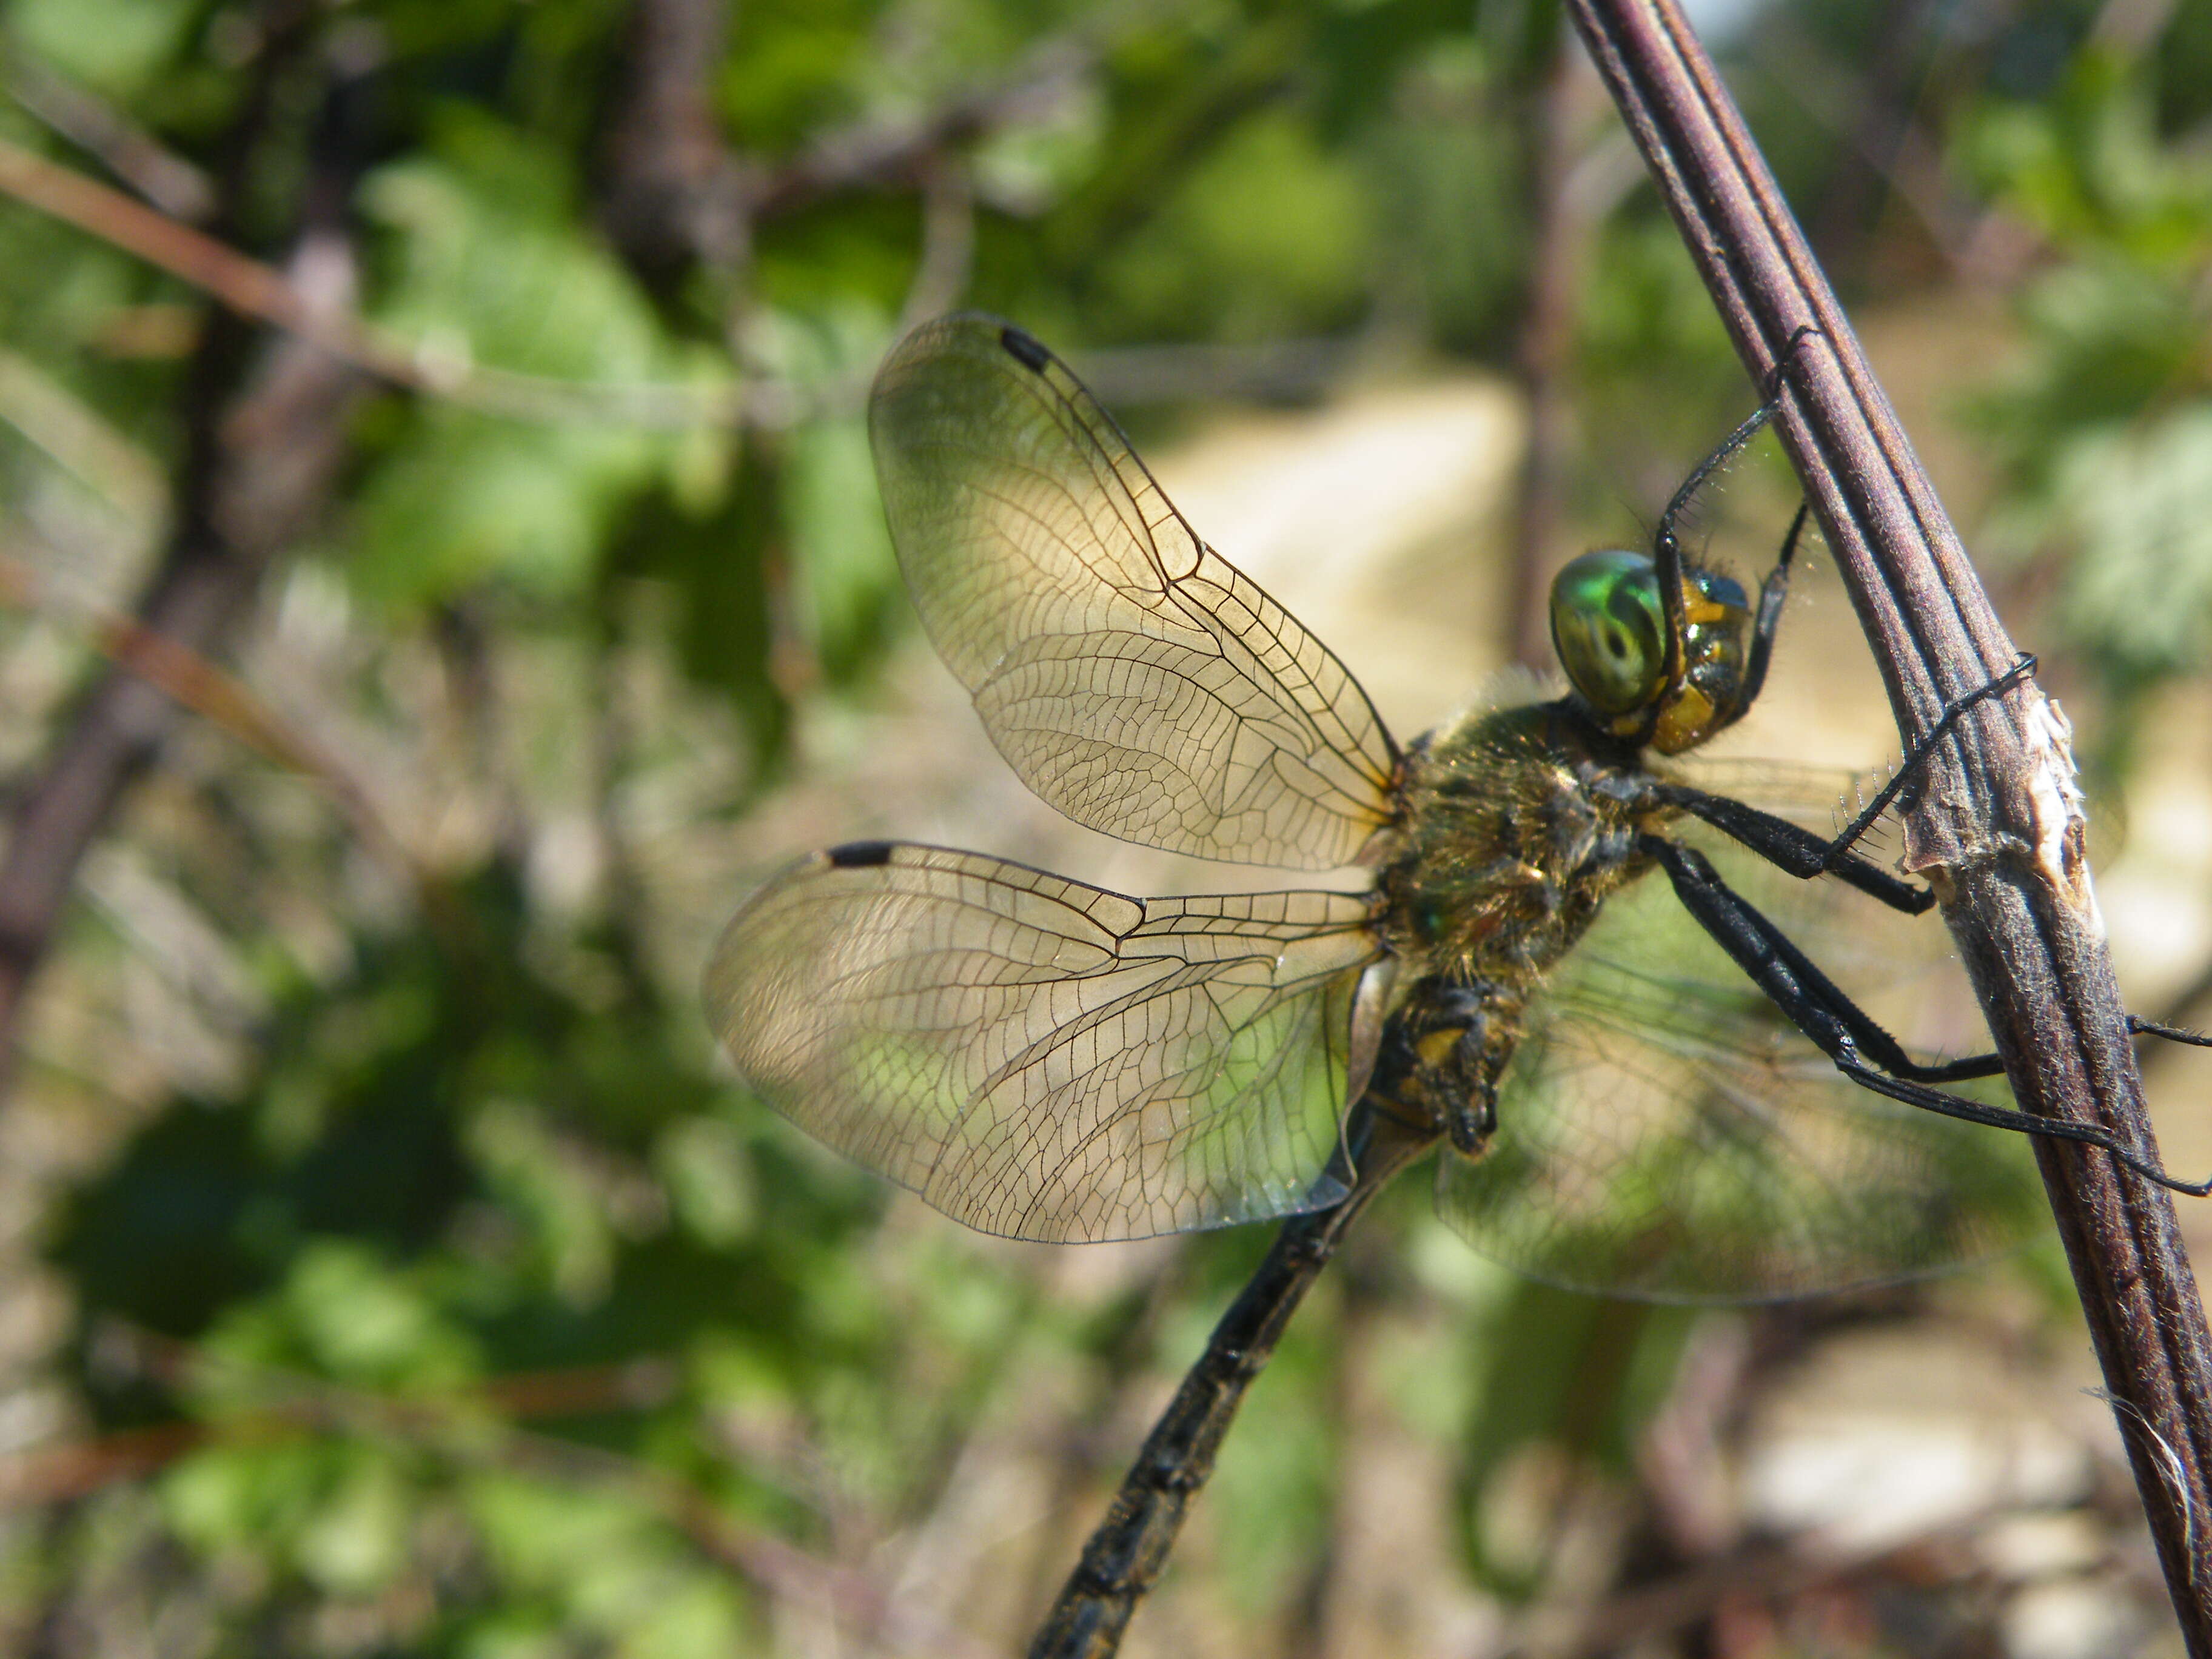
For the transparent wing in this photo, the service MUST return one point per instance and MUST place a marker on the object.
(1132, 677)
(1041, 1058)
(1663, 1133)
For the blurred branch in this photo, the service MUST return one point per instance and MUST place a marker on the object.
(75, 437)
(125, 149)
(62, 1472)
(1142, 375)
(1770, 1572)
(879, 156)
(674, 192)
(189, 679)
(263, 443)
(1554, 117)
(663, 195)
(671, 191)
(1997, 826)
(1985, 248)
(461, 1427)
(251, 288)
(948, 242)
(2131, 25)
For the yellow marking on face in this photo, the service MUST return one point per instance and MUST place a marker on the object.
(1683, 721)
(1697, 609)
(1436, 1048)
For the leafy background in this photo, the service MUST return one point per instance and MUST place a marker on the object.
(387, 1264)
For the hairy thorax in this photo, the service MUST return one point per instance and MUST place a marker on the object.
(1517, 824)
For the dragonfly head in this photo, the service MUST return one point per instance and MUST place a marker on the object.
(1610, 630)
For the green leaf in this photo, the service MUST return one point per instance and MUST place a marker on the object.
(486, 266)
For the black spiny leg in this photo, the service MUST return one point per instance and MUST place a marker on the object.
(1846, 1034)
(2171, 1033)
(1666, 543)
(1772, 593)
(2139, 1027)
(1917, 756)
(1796, 850)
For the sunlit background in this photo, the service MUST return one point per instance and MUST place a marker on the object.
(472, 392)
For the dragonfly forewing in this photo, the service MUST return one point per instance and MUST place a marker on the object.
(1131, 676)
(1042, 1058)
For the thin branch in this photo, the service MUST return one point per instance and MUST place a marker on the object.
(671, 190)
(75, 437)
(715, 210)
(264, 440)
(1998, 827)
(1774, 1573)
(882, 155)
(456, 1427)
(189, 679)
(948, 243)
(104, 132)
(251, 288)
(67, 1470)
(1554, 118)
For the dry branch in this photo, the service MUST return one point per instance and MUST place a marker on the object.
(1997, 828)
(264, 434)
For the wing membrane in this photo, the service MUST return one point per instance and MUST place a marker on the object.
(1131, 676)
(1042, 1058)
(1663, 1133)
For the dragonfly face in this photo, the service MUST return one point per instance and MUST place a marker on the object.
(1609, 628)
(1044, 1059)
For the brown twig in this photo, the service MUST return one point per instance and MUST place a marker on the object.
(263, 443)
(192, 682)
(106, 133)
(1997, 828)
(670, 190)
(1770, 1572)
(703, 197)
(1561, 240)
(251, 288)
(882, 155)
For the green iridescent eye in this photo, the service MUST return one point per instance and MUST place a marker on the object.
(1609, 630)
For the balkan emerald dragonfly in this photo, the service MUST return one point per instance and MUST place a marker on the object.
(1642, 1087)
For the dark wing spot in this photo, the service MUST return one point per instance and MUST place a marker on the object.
(1023, 348)
(859, 854)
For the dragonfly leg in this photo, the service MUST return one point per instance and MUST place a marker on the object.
(1773, 592)
(2139, 1027)
(1794, 982)
(1666, 539)
(1796, 850)
(1917, 758)
(1770, 405)
(1832, 1023)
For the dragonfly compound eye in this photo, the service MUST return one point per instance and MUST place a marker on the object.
(1609, 630)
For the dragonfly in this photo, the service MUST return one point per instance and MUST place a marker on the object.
(1570, 970)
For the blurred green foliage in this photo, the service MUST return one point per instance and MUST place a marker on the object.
(458, 1305)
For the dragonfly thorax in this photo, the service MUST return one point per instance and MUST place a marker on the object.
(1519, 823)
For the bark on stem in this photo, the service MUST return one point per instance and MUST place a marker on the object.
(1997, 828)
